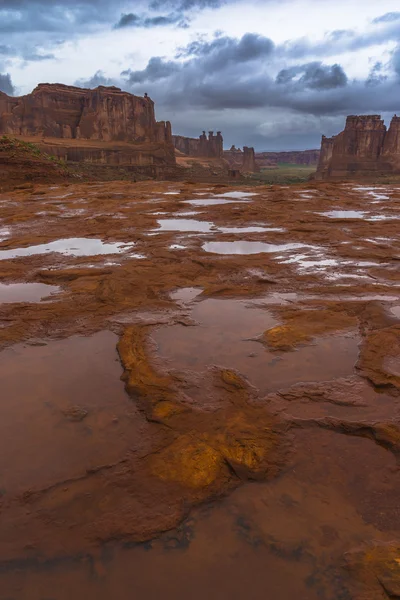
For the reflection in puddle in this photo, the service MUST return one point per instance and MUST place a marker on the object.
(25, 292)
(223, 338)
(247, 247)
(344, 214)
(236, 194)
(4, 234)
(186, 294)
(70, 247)
(185, 225)
(212, 201)
(248, 229)
(35, 420)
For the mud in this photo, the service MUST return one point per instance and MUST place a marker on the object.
(197, 424)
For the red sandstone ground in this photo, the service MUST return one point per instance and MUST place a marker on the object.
(279, 368)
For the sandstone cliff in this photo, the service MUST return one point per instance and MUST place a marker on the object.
(364, 148)
(106, 117)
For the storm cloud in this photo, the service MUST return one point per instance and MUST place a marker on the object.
(6, 85)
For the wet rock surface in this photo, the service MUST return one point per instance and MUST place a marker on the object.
(180, 421)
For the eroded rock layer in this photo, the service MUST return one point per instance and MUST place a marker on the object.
(365, 148)
(101, 125)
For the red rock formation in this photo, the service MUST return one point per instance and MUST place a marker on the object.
(295, 157)
(203, 147)
(243, 161)
(363, 149)
(105, 114)
(249, 161)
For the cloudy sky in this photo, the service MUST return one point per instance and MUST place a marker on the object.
(275, 74)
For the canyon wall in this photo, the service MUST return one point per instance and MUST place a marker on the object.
(201, 147)
(364, 148)
(295, 157)
(89, 125)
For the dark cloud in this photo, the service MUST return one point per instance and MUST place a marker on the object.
(134, 20)
(313, 75)
(344, 40)
(376, 75)
(396, 61)
(98, 79)
(6, 85)
(388, 18)
(157, 69)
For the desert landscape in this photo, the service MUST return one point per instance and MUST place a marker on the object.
(199, 357)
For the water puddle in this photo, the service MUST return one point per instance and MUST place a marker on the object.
(25, 292)
(69, 247)
(177, 247)
(212, 201)
(236, 194)
(223, 338)
(248, 229)
(247, 247)
(395, 310)
(4, 234)
(344, 214)
(185, 225)
(67, 413)
(186, 294)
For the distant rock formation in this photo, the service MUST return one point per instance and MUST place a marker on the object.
(365, 148)
(243, 161)
(295, 157)
(101, 125)
(202, 147)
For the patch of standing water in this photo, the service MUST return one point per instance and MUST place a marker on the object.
(177, 247)
(212, 201)
(69, 247)
(344, 214)
(395, 310)
(247, 247)
(223, 338)
(248, 229)
(186, 294)
(4, 234)
(185, 225)
(236, 194)
(189, 213)
(25, 292)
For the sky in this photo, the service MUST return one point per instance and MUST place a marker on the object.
(271, 74)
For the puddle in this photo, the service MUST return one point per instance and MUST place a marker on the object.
(395, 310)
(185, 225)
(171, 193)
(177, 247)
(223, 338)
(4, 234)
(38, 384)
(247, 247)
(236, 194)
(212, 201)
(189, 213)
(186, 294)
(25, 292)
(344, 214)
(69, 247)
(248, 229)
